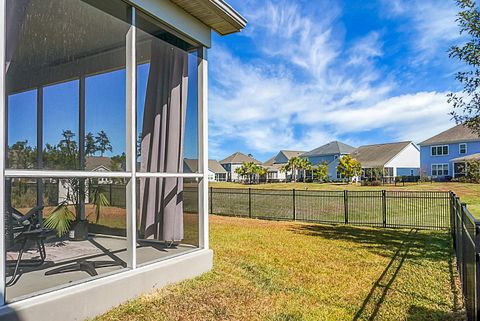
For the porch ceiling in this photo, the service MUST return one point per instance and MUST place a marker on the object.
(216, 14)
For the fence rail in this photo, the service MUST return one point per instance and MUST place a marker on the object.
(426, 210)
(466, 243)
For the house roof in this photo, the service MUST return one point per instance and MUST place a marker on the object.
(371, 156)
(213, 165)
(457, 134)
(217, 14)
(287, 153)
(292, 153)
(331, 148)
(270, 162)
(239, 158)
(273, 168)
(94, 162)
(467, 158)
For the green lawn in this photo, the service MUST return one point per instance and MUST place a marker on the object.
(267, 270)
(469, 193)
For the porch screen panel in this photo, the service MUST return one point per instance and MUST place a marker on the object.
(52, 47)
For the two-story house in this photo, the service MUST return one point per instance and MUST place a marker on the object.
(439, 154)
(234, 161)
(330, 154)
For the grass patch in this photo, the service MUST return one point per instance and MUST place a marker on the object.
(266, 270)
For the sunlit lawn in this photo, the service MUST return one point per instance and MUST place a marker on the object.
(266, 270)
(469, 193)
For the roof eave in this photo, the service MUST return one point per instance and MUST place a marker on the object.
(425, 143)
(228, 20)
(236, 19)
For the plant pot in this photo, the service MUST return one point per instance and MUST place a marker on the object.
(79, 231)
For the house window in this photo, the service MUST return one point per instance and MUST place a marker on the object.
(72, 100)
(462, 148)
(439, 169)
(440, 150)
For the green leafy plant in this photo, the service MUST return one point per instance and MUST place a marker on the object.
(320, 172)
(349, 167)
(60, 219)
(99, 201)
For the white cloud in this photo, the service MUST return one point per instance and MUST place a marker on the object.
(263, 104)
(431, 21)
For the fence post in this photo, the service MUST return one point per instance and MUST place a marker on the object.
(345, 205)
(452, 217)
(384, 207)
(464, 248)
(477, 269)
(250, 202)
(294, 205)
(110, 191)
(211, 200)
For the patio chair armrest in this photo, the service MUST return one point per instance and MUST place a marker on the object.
(29, 214)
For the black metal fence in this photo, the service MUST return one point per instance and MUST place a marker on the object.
(418, 209)
(466, 243)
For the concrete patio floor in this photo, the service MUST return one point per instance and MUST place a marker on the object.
(97, 249)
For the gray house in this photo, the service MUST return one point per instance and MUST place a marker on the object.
(329, 153)
(132, 69)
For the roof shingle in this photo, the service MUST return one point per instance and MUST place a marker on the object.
(239, 158)
(191, 166)
(372, 156)
(457, 134)
(331, 148)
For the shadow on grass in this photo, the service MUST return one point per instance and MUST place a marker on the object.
(378, 292)
(399, 245)
(384, 242)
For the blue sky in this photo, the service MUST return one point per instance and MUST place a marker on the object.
(304, 73)
(104, 110)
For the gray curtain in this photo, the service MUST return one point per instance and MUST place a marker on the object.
(161, 199)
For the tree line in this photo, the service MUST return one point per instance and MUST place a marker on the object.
(64, 154)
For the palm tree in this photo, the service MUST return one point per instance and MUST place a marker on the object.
(103, 142)
(261, 171)
(305, 165)
(292, 166)
(90, 147)
(241, 171)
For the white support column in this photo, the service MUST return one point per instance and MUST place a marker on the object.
(2, 150)
(131, 152)
(203, 145)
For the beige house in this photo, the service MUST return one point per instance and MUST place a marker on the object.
(216, 172)
(234, 161)
(274, 165)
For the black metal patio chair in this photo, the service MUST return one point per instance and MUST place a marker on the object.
(20, 231)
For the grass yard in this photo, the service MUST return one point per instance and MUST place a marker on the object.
(265, 270)
(469, 193)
